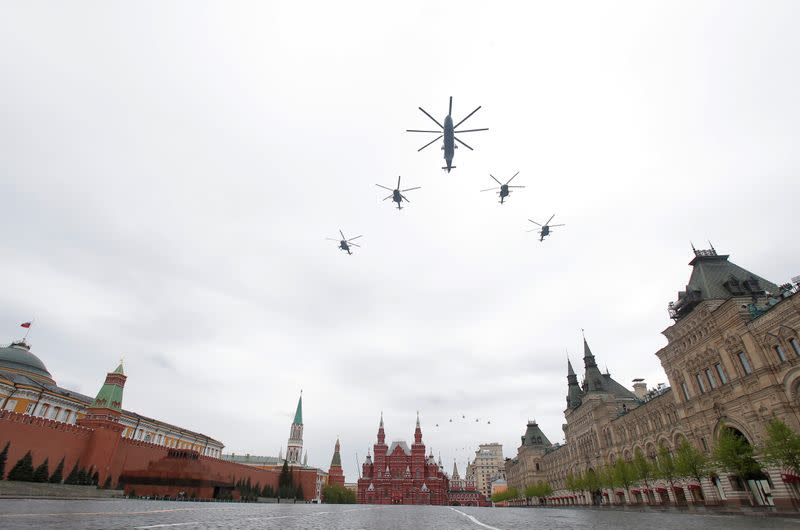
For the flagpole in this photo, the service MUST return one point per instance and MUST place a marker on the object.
(28, 330)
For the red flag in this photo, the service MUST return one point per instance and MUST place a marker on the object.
(25, 325)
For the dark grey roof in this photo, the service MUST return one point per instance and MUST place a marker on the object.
(534, 436)
(616, 389)
(400, 444)
(715, 278)
(17, 356)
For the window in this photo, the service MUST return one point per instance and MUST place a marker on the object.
(43, 410)
(685, 390)
(780, 352)
(11, 405)
(700, 383)
(745, 363)
(711, 379)
(795, 346)
(721, 374)
(56, 410)
(29, 408)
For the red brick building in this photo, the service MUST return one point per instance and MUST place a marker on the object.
(335, 473)
(400, 475)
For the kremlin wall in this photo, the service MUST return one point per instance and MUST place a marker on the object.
(94, 436)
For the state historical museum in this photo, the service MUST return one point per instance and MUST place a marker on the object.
(400, 475)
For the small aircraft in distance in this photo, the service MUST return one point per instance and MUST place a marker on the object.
(344, 243)
(504, 188)
(397, 194)
(448, 131)
(544, 231)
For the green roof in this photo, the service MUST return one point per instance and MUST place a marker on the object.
(298, 415)
(110, 397)
(336, 460)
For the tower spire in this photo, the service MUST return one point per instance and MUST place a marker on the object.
(294, 449)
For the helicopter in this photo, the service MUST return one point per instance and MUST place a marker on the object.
(504, 188)
(545, 230)
(344, 243)
(397, 194)
(448, 131)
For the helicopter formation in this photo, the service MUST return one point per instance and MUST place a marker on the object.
(447, 133)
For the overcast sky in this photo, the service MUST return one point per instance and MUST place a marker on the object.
(169, 172)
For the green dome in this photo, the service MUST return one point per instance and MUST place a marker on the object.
(18, 357)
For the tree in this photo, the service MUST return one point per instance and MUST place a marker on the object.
(95, 478)
(624, 474)
(691, 463)
(734, 454)
(335, 494)
(540, 489)
(665, 467)
(298, 492)
(781, 448)
(107, 483)
(644, 468)
(23, 469)
(72, 478)
(57, 475)
(268, 491)
(3, 458)
(42, 473)
(83, 477)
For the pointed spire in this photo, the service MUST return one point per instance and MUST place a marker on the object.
(337, 459)
(110, 394)
(455, 470)
(417, 419)
(570, 371)
(305, 459)
(381, 424)
(280, 453)
(298, 414)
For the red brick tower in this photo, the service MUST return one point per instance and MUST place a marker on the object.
(335, 474)
(103, 417)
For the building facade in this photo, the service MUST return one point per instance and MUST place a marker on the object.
(402, 475)
(335, 473)
(732, 361)
(487, 466)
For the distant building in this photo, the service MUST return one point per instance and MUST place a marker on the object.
(335, 474)
(488, 465)
(463, 491)
(400, 475)
(311, 478)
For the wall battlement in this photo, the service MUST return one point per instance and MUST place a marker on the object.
(16, 417)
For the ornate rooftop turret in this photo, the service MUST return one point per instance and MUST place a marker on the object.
(715, 278)
(593, 379)
(110, 395)
(574, 394)
(534, 436)
(294, 447)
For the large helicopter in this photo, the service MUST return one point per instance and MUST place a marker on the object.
(344, 243)
(397, 194)
(544, 231)
(504, 188)
(448, 131)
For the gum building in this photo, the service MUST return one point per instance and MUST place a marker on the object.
(733, 363)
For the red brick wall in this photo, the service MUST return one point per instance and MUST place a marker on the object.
(44, 438)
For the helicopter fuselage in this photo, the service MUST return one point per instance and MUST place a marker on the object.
(449, 142)
(344, 246)
(396, 197)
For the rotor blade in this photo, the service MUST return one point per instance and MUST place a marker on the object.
(462, 143)
(418, 130)
(465, 119)
(534, 230)
(354, 245)
(388, 196)
(490, 189)
(471, 130)
(551, 218)
(331, 239)
(431, 117)
(429, 143)
(409, 189)
(551, 226)
(495, 179)
(450, 109)
(516, 186)
(340, 231)
(512, 178)
(404, 198)
(352, 238)
(534, 222)
(384, 187)
(398, 182)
